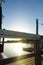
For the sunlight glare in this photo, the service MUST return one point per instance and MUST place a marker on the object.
(18, 48)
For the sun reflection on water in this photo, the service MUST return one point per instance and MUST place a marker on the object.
(18, 48)
(15, 49)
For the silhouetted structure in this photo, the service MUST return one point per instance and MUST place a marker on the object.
(0, 17)
(36, 26)
(1, 45)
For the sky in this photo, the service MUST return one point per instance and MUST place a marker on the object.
(20, 15)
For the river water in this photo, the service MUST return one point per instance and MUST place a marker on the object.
(9, 49)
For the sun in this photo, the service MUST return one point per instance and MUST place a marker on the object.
(18, 48)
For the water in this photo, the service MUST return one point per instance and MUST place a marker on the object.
(9, 49)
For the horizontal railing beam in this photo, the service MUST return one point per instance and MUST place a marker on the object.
(15, 34)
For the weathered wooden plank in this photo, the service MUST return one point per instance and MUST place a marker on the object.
(15, 34)
(27, 61)
(13, 59)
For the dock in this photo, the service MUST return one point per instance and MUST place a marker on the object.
(20, 59)
(28, 61)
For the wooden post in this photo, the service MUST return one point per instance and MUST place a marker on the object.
(0, 17)
(37, 48)
(3, 44)
(36, 26)
(37, 52)
(1, 47)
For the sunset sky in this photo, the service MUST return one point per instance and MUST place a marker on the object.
(20, 15)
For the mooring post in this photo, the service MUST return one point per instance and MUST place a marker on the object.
(1, 45)
(36, 26)
(37, 52)
(0, 18)
(37, 48)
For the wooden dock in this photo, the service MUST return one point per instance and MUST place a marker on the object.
(14, 34)
(28, 61)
